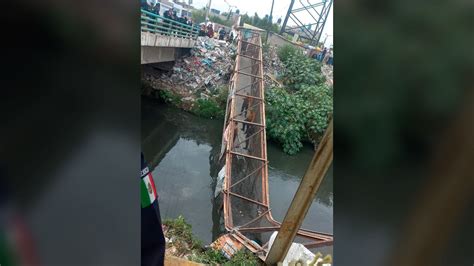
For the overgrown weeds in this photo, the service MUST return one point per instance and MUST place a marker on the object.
(301, 110)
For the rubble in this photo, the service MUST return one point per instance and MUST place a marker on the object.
(327, 71)
(200, 74)
(272, 66)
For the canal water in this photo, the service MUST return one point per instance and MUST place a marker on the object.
(182, 150)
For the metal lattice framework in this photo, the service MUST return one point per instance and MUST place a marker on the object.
(246, 205)
(316, 11)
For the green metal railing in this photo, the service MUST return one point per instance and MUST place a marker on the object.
(160, 25)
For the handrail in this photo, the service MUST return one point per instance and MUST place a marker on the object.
(157, 24)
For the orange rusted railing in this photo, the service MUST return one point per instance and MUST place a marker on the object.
(246, 204)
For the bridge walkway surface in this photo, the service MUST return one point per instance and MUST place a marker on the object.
(247, 212)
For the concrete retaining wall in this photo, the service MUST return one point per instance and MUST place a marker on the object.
(278, 40)
(158, 40)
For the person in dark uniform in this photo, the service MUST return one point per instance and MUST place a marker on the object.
(169, 16)
(222, 33)
(152, 238)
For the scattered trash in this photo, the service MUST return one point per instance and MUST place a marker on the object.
(327, 71)
(298, 254)
(209, 66)
(272, 66)
(220, 182)
(228, 245)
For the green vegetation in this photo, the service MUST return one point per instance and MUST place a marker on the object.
(186, 243)
(181, 230)
(242, 258)
(208, 108)
(302, 109)
(301, 70)
(169, 97)
(214, 107)
(199, 16)
(209, 256)
(287, 50)
(262, 23)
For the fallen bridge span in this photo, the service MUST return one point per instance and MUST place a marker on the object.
(246, 206)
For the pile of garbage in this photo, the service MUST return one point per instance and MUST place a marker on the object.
(327, 71)
(209, 66)
(272, 66)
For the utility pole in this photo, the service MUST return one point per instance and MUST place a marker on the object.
(270, 20)
(303, 198)
(207, 11)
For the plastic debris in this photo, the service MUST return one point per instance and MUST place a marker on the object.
(208, 66)
(272, 66)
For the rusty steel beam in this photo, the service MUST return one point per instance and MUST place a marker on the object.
(246, 86)
(247, 67)
(303, 198)
(249, 57)
(249, 96)
(252, 58)
(252, 44)
(255, 219)
(247, 122)
(247, 176)
(238, 144)
(247, 199)
(250, 75)
(248, 156)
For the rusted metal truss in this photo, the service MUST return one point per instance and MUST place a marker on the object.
(247, 168)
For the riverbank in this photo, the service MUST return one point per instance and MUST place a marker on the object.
(299, 92)
(197, 82)
(182, 243)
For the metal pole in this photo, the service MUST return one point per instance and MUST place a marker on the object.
(287, 16)
(207, 11)
(303, 198)
(324, 21)
(270, 20)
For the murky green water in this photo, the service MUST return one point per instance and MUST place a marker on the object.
(182, 151)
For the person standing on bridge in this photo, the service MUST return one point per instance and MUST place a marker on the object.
(167, 21)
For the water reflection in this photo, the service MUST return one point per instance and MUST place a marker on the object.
(183, 152)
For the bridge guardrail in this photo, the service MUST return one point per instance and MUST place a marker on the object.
(160, 25)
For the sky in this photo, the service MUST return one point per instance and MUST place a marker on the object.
(262, 7)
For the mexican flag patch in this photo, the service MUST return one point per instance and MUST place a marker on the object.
(147, 191)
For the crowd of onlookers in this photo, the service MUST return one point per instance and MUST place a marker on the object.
(153, 6)
(325, 56)
(221, 33)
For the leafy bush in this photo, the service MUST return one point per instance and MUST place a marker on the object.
(243, 257)
(302, 110)
(181, 229)
(169, 97)
(209, 257)
(222, 95)
(284, 52)
(301, 70)
(295, 117)
(208, 108)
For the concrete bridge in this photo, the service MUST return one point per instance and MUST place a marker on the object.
(164, 40)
